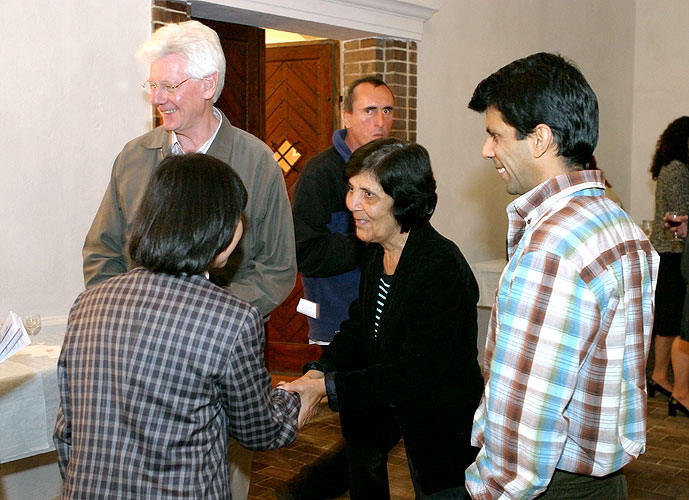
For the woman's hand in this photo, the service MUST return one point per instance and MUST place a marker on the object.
(311, 389)
(681, 230)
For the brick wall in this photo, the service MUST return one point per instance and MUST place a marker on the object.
(395, 61)
(168, 11)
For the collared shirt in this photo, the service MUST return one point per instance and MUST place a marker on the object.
(567, 342)
(176, 147)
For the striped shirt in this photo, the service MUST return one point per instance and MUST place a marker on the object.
(383, 289)
(567, 342)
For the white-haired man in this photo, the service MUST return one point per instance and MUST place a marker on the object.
(187, 71)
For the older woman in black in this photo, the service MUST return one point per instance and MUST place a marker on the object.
(404, 362)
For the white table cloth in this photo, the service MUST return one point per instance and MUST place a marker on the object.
(488, 275)
(29, 397)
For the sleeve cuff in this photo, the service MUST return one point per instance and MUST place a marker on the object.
(331, 392)
(315, 365)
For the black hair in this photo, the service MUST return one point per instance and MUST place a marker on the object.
(672, 145)
(404, 172)
(545, 88)
(188, 214)
(348, 103)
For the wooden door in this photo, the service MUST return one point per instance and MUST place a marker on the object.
(243, 97)
(301, 90)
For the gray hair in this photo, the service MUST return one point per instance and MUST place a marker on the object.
(197, 43)
(348, 103)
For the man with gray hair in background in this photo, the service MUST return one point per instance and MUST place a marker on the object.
(328, 251)
(187, 72)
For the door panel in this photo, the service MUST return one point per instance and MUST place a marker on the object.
(285, 96)
(243, 98)
(300, 119)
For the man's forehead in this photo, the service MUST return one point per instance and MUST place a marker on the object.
(169, 64)
(368, 95)
(495, 120)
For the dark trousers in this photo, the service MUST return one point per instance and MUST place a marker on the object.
(369, 437)
(358, 463)
(455, 493)
(569, 486)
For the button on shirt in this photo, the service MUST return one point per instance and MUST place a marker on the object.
(567, 343)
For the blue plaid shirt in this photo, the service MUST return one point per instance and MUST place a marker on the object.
(567, 342)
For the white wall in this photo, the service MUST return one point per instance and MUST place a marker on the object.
(465, 42)
(661, 88)
(70, 100)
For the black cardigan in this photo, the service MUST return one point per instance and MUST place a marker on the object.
(423, 364)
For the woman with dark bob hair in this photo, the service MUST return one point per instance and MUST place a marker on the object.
(160, 367)
(190, 215)
(404, 362)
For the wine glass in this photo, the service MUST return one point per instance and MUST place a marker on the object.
(32, 323)
(647, 227)
(673, 219)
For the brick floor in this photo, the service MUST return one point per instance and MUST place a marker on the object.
(271, 468)
(662, 473)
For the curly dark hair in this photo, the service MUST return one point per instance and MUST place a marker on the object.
(673, 144)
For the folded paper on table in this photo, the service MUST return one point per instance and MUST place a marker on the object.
(13, 336)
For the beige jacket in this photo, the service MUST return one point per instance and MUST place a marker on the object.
(262, 270)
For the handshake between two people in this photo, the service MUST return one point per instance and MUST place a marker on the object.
(311, 390)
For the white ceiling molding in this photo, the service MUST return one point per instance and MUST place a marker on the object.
(339, 19)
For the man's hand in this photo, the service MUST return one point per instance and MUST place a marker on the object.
(311, 389)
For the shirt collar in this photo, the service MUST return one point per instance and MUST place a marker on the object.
(340, 144)
(532, 206)
(177, 147)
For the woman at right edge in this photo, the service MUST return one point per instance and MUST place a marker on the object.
(670, 169)
(679, 399)
(404, 363)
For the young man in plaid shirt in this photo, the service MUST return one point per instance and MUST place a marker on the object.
(564, 404)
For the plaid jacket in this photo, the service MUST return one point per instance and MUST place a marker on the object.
(155, 374)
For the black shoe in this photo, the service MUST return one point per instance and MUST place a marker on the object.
(654, 386)
(673, 405)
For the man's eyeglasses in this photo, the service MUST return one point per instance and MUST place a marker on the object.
(150, 86)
